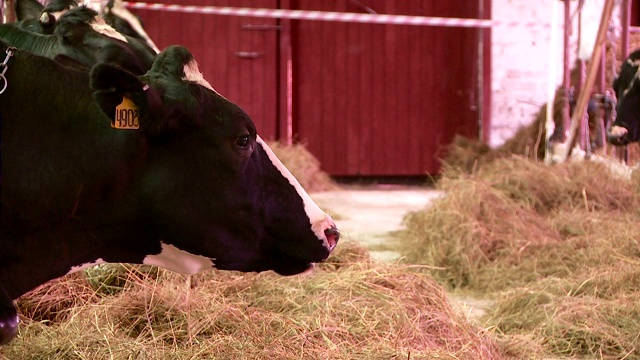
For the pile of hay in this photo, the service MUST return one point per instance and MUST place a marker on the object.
(350, 308)
(561, 240)
(304, 166)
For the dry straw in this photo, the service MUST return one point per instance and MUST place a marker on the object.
(304, 166)
(350, 308)
(556, 246)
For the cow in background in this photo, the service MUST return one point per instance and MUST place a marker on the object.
(124, 21)
(626, 127)
(158, 169)
(35, 17)
(82, 39)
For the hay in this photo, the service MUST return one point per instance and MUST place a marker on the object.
(557, 245)
(522, 220)
(353, 308)
(595, 316)
(304, 166)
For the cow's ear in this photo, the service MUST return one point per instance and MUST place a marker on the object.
(111, 84)
(172, 61)
(74, 24)
(27, 10)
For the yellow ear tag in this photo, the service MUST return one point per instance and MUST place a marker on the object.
(127, 115)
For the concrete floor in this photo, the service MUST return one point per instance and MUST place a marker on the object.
(369, 214)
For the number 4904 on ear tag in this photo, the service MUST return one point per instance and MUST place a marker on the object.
(127, 115)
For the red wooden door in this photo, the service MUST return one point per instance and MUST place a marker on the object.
(237, 55)
(383, 100)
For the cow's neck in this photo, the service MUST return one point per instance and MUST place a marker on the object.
(40, 257)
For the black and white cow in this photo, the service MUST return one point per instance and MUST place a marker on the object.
(126, 22)
(626, 127)
(81, 39)
(33, 16)
(192, 188)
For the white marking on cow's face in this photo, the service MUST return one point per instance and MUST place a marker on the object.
(86, 265)
(193, 74)
(320, 221)
(103, 28)
(174, 259)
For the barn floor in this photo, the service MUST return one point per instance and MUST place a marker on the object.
(370, 214)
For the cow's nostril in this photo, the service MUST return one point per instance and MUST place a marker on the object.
(333, 235)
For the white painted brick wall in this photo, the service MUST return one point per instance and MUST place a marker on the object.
(520, 63)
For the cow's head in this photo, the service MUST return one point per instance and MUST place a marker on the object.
(86, 38)
(210, 186)
(626, 127)
(34, 17)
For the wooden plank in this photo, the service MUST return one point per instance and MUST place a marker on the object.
(308, 87)
(390, 96)
(391, 153)
(592, 69)
(418, 117)
(364, 93)
(353, 110)
(378, 150)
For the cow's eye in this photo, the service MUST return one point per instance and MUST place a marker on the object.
(242, 141)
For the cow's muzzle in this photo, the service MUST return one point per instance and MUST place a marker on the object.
(333, 235)
(617, 135)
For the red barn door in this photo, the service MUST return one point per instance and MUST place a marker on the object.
(383, 100)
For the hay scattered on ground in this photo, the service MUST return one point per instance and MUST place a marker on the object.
(350, 308)
(561, 241)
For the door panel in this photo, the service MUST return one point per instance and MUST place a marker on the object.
(237, 55)
(384, 100)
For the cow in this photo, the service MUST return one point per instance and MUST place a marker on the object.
(33, 16)
(626, 127)
(80, 38)
(124, 21)
(109, 167)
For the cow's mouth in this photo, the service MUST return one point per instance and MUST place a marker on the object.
(617, 135)
(295, 270)
(288, 264)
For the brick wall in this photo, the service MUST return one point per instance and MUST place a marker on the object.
(521, 61)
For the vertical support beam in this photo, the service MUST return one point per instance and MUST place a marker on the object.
(551, 86)
(9, 11)
(621, 152)
(285, 130)
(485, 72)
(592, 69)
(626, 23)
(566, 67)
